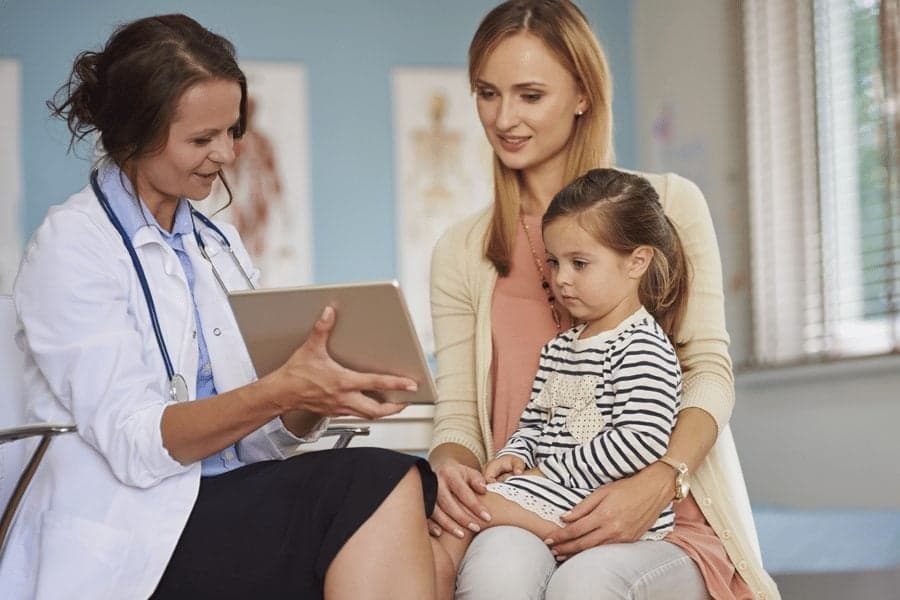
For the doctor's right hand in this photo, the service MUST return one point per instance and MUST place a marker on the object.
(313, 381)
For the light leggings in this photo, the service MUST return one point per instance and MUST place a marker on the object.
(509, 563)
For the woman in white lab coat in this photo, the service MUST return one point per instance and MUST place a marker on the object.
(173, 486)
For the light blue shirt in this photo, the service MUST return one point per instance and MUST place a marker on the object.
(134, 215)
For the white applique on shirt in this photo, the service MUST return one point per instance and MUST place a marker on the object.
(576, 394)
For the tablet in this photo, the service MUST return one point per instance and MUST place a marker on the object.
(373, 331)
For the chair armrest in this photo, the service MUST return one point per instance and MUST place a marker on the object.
(345, 434)
(21, 432)
(46, 431)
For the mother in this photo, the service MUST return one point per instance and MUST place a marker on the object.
(544, 98)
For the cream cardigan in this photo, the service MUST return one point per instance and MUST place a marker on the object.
(462, 285)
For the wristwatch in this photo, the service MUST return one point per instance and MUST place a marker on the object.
(682, 480)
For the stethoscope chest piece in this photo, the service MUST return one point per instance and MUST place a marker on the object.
(178, 390)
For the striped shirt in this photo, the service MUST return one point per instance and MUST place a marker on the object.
(602, 408)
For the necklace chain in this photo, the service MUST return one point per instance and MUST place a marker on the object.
(545, 284)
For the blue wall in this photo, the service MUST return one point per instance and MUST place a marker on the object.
(348, 47)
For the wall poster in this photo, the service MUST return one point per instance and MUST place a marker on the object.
(10, 172)
(270, 178)
(442, 172)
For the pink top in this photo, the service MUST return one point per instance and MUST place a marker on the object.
(521, 323)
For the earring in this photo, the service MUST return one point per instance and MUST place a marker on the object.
(578, 113)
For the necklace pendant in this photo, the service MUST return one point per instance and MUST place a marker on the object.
(545, 285)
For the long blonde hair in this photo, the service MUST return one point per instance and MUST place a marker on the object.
(565, 30)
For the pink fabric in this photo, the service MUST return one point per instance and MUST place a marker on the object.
(521, 324)
(695, 536)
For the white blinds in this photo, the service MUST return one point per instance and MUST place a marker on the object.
(825, 216)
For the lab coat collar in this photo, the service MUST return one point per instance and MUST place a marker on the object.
(134, 214)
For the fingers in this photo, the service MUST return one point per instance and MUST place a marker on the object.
(494, 469)
(584, 507)
(457, 500)
(354, 380)
(433, 528)
(468, 498)
(504, 465)
(357, 404)
(451, 516)
(572, 531)
(318, 337)
(591, 539)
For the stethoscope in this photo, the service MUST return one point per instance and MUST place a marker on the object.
(178, 391)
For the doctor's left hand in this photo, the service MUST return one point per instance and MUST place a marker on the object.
(313, 381)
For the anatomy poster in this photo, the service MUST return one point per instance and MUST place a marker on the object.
(442, 169)
(269, 179)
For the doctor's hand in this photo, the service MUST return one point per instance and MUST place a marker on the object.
(312, 381)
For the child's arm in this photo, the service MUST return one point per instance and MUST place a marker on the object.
(646, 379)
(524, 440)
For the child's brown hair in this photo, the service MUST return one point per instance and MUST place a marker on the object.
(622, 212)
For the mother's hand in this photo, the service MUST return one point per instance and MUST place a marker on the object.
(313, 381)
(458, 505)
(620, 511)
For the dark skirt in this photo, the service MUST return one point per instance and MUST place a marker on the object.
(271, 529)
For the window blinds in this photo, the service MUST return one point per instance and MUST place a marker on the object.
(825, 216)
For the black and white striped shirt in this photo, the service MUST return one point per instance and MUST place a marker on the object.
(602, 408)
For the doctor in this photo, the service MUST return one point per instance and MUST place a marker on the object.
(175, 485)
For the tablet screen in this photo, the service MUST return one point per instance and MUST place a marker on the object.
(373, 331)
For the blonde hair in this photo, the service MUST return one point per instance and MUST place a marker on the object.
(565, 30)
(622, 211)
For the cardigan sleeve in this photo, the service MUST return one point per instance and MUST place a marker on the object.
(453, 307)
(702, 340)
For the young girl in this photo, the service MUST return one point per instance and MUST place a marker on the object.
(605, 398)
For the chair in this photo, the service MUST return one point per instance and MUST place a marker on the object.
(14, 458)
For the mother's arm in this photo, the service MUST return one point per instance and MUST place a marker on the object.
(623, 510)
(457, 448)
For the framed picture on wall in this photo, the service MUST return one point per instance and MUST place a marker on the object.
(270, 180)
(442, 172)
(10, 172)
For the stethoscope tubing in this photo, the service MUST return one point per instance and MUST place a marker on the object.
(139, 270)
(142, 278)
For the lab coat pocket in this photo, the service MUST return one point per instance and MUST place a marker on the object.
(80, 558)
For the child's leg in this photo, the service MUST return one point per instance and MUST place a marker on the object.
(449, 549)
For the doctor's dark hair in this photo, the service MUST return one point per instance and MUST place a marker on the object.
(128, 92)
(622, 212)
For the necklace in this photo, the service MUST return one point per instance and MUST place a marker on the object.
(545, 284)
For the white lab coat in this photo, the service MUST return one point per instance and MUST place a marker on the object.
(108, 505)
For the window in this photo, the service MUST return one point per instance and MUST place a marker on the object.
(822, 106)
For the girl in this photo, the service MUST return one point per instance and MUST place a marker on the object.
(606, 394)
(178, 483)
(544, 97)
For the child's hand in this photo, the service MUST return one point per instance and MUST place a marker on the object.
(502, 467)
(536, 472)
